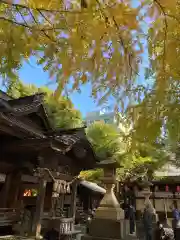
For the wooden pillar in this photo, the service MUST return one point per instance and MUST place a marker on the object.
(14, 190)
(73, 199)
(39, 207)
(5, 191)
(10, 191)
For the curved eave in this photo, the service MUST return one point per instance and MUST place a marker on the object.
(90, 160)
(90, 147)
(79, 131)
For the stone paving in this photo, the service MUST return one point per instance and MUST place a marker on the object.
(81, 228)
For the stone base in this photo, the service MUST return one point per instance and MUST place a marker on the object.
(105, 228)
(109, 213)
(108, 229)
(87, 237)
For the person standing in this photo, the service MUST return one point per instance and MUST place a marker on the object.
(132, 218)
(176, 221)
(129, 209)
(148, 216)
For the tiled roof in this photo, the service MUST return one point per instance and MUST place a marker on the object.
(22, 105)
(13, 121)
(4, 96)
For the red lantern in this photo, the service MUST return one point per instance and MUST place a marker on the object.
(178, 189)
(167, 188)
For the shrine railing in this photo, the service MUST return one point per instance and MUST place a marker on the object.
(158, 195)
(65, 226)
(9, 216)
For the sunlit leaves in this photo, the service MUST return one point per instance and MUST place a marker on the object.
(97, 39)
(92, 175)
(158, 114)
(106, 140)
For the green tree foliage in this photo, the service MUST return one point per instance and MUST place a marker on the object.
(106, 140)
(136, 165)
(110, 142)
(61, 111)
(92, 175)
(17, 89)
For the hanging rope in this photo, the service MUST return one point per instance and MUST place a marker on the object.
(59, 186)
(52, 177)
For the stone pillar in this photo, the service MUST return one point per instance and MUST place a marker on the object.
(146, 192)
(108, 222)
(36, 229)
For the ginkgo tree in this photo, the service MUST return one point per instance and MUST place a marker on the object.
(158, 114)
(77, 40)
(101, 42)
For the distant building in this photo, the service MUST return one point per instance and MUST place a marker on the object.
(107, 115)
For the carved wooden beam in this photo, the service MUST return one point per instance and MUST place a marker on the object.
(25, 145)
(5, 129)
(6, 167)
(34, 144)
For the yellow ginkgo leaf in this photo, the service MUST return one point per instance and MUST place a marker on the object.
(84, 78)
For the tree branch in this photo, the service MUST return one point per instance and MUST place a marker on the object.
(107, 21)
(165, 31)
(45, 17)
(38, 9)
(21, 15)
(37, 23)
(125, 49)
(16, 23)
(28, 26)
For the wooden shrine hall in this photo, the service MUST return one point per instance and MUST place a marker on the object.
(30, 147)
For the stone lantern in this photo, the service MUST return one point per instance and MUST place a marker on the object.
(109, 217)
(146, 193)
